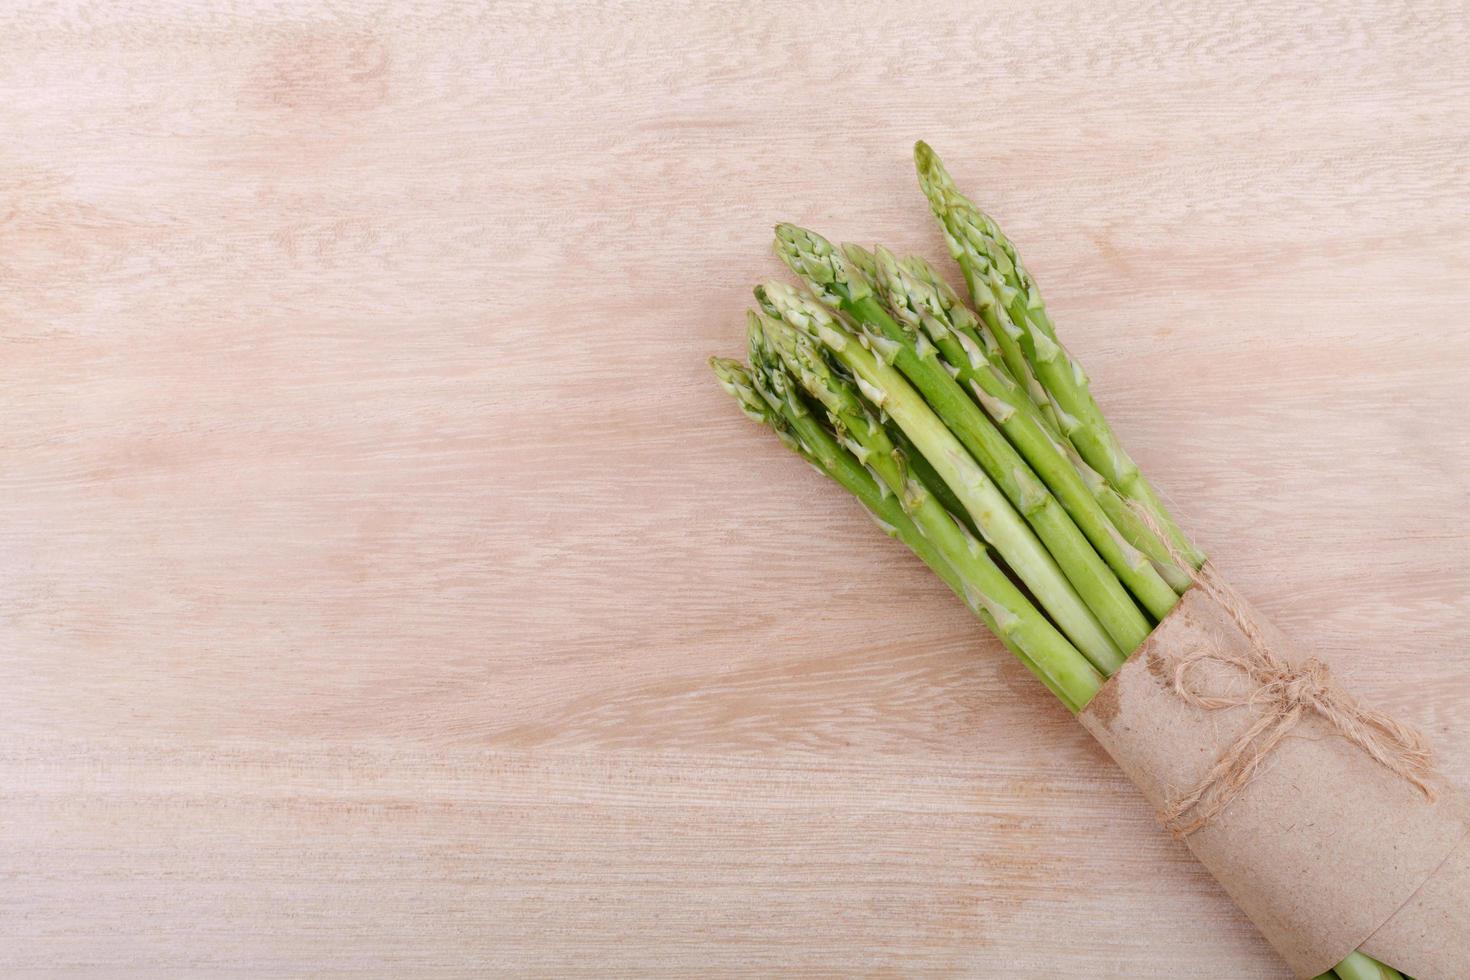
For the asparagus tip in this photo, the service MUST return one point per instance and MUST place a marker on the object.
(861, 258)
(731, 374)
(833, 277)
(735, 379)
(932, 176)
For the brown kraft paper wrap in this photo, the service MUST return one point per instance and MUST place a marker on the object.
(1326, 850)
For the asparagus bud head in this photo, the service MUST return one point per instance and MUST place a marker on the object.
(830, 275)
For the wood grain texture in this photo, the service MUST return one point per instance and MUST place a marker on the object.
(385, 589)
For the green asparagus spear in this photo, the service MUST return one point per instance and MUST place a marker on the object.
(986, 588)
(766, 396)
(1119, 513)
(927, 309)
(832, 461)
(929, 477)
(998, 521)
(984, 286)
(916, 461)
(996, 276)
(841, 285)
(1128, 523)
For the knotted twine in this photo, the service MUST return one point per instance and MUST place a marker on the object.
(1285, 693)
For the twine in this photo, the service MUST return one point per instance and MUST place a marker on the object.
(1285, 693)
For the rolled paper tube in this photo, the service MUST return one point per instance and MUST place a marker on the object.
(1324, 848)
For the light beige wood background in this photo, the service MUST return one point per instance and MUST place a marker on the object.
(387, 590)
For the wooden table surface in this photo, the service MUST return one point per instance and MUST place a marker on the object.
(388, 590)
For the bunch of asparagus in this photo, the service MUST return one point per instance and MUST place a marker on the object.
(972, 436)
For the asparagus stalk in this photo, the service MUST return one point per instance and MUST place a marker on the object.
(829, 459)
(1119, 513)
(768, 395)
(1129, 524)
(868, 263)
(839, 284)
(996, 277)
(949, 325)
(983, 289)
(986, 588)
(998, 521)
(929, 476)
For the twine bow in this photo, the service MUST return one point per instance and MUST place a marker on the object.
(1286, 692)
